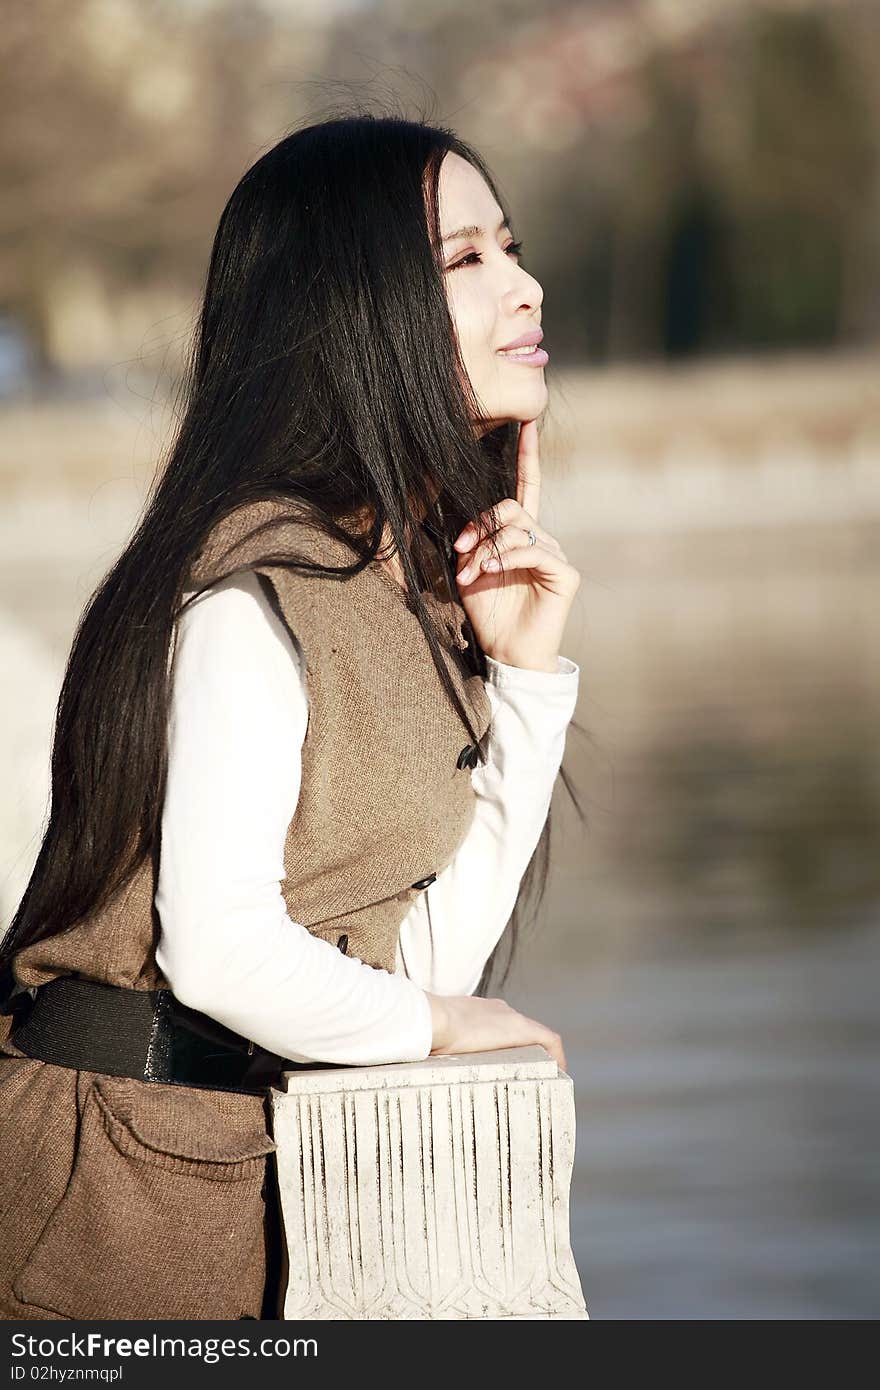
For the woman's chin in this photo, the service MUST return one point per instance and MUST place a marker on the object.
(530, 400)
(515, 415)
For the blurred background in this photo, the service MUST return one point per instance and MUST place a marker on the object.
(697, 183)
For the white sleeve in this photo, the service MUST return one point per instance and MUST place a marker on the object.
(457, 921)
(227, 945)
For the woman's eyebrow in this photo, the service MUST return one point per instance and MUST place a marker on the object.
(474, 231)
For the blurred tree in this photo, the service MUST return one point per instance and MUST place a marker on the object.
(695, 274)
(797, 197)
(124, 126)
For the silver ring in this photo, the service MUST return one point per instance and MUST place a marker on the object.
(532, 538)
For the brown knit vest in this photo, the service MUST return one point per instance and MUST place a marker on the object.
(384, 802)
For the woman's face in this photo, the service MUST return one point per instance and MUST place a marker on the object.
(491, 298)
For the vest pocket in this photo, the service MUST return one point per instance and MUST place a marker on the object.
(163, 1215)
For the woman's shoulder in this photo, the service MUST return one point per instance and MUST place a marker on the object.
(247, 533)
(241, 593)
(239, 614)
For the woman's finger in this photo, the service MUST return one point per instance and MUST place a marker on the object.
(528, 557)
(505, 540)
(528, 468)
(507, 512)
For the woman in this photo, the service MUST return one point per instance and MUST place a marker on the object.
(267, 846)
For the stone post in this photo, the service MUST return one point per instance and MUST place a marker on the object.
(434, 1189)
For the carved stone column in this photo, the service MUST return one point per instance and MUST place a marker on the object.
(434, 1189)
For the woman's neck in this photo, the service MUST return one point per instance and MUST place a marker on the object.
(392, 564)
(393, 567)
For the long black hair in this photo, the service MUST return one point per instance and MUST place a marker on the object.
(324, 372)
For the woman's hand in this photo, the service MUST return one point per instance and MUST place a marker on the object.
(518, 611)
(465, 1023)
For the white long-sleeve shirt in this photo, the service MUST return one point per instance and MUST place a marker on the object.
(228, 946)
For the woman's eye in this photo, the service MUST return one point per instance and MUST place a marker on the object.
(476, 259)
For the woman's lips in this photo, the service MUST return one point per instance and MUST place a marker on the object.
(534, 357)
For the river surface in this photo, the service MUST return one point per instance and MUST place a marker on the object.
(710, 945)
(728, 1125)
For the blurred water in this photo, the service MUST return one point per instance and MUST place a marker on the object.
(710, 946)
(728, 1125)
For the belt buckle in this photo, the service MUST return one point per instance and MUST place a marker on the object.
(197, 1050)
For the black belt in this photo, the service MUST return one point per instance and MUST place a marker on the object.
(145, 1034)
